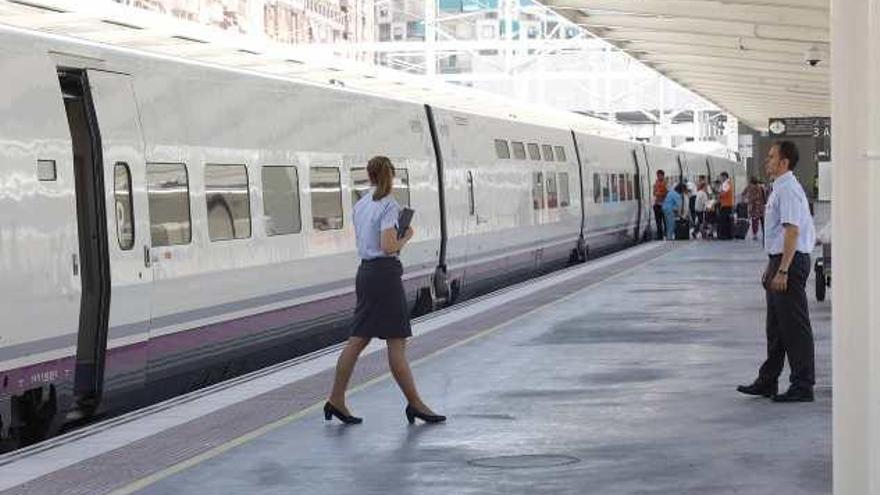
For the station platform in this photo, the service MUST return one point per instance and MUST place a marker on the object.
(613, 377)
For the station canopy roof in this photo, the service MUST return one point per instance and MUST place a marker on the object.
(109, 23)
(749, 57)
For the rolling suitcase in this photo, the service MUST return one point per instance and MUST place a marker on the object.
(742, 228)
(682, 229)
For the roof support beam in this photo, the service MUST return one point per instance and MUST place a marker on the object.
(723, 71)
(702, 10)
(743, 63)
(746, 43)
(672, 49)
(767, 84)
(754, 29)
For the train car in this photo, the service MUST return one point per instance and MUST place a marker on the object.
(613, 192)
(166, 224)
(174, 224)
(512, 199)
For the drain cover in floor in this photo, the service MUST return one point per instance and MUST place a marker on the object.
(524, 461)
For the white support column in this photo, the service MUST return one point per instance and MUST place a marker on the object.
(856, 233)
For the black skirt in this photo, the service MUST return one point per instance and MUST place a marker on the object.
(381, 309)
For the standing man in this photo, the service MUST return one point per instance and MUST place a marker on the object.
(790, 238)
(660, 191)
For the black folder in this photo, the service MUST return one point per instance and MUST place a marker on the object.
(403, 221)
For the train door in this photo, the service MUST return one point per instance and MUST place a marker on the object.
(128, 228)
(637, 185)
(92, 261)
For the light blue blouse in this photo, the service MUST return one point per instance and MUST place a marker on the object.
(370, 219)
(672, 201)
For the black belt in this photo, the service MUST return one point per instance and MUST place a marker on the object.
(796, 253)
(379, 259)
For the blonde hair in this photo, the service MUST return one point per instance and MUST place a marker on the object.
(381, 173)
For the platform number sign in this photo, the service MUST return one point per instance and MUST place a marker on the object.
(818, 128)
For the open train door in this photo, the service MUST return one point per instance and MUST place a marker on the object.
(115, 357)
(638, 195)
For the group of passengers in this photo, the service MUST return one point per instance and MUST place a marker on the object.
(704, 210)
(693, 209)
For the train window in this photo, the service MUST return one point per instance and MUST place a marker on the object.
(537, 190)
(519, 150)
(606, 188)
(228, 202)
(547, 152)
(552, 191)
(629, 188)
(560, 153)
(470, 185)
(401, 186)
(534, 151)
(281, 200)
(564, 193)
(501, 149)
(325, 187)
(168, 199)
(360, 185)
(597, 188)
(621, 187)
(614, 191)
(124, 210)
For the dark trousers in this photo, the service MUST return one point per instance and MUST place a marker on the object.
(660, 221)
(788, 326)
(725, 223)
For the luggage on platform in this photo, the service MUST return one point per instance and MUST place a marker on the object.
(682, 229)
(742, 228)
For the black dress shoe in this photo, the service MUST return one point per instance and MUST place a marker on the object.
(413, 413)
(758, 388)
(795, 395)
(330, 411)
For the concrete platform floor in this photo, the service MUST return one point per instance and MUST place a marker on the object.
(626, 387)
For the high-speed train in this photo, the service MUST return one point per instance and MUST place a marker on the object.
(167, 224)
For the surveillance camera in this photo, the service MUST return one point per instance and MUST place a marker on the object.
(813, 56)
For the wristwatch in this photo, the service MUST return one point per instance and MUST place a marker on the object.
(782, 272)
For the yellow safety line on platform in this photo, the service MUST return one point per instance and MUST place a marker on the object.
(146, 481)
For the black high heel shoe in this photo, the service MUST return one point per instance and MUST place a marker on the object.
(413, 413)
(330, 411)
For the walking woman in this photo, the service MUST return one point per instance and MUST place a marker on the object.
(754, 195)
(381, 309)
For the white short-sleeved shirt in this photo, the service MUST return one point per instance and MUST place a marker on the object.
(788, 204)
(702, 201)
(370, 219)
